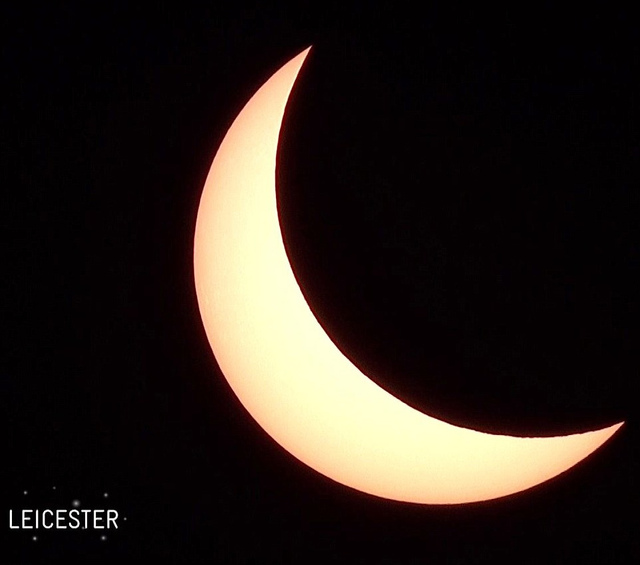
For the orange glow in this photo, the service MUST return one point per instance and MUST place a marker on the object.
(294, 381)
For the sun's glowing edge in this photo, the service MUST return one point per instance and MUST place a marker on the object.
(294, 381)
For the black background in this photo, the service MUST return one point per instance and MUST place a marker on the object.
(459, 198)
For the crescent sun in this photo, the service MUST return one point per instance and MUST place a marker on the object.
(291, 377)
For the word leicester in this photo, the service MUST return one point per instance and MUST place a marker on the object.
(63, 519)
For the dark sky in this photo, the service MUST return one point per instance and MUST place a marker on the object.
(459, 198)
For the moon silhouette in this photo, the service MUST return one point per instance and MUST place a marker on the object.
(292, 378)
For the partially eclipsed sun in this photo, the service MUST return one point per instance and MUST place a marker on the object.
(296, 383)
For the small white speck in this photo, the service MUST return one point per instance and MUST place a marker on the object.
(75, 503)
(103, 538)
(54, 488)
(106, 494)
(125, 518)
(35, 538)
(25, 492)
